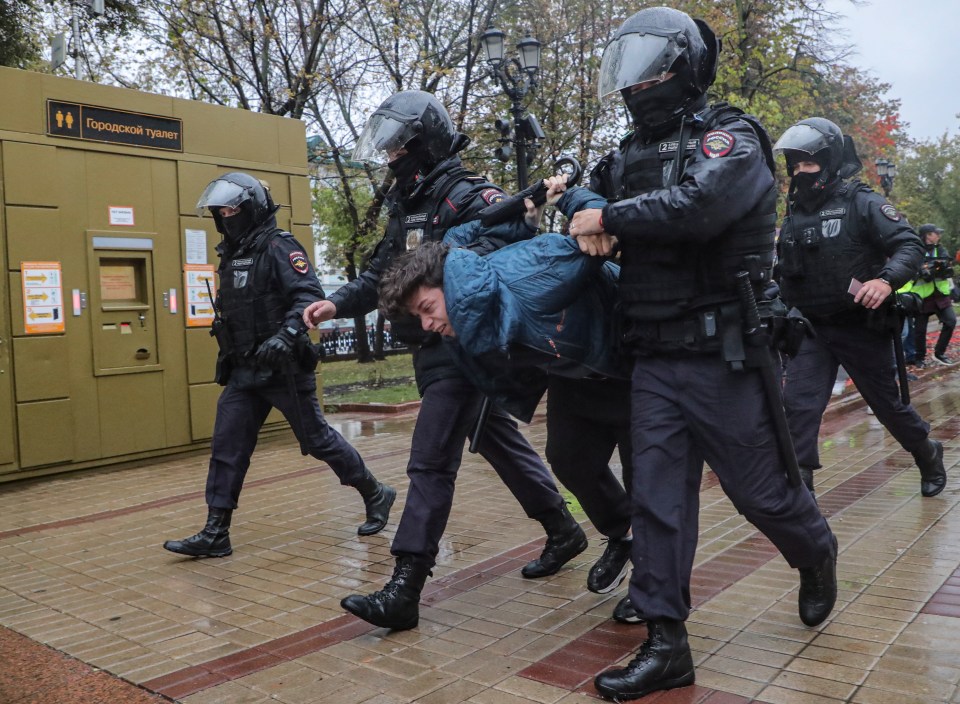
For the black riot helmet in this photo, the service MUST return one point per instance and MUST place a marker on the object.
(411, 119)
(242, 191)
(649, 45)
(819, 140)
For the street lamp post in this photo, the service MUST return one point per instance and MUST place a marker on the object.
(887, 171)
(517, 76)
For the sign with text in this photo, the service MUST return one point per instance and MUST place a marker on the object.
(201, 289)
(96, 124)
(42, 297)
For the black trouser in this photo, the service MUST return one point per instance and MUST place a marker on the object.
(687, 410)
(867, 356)
(240, 415)
(448, 411)
(948, 322)
(586, 420)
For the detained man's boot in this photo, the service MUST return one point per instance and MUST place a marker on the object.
(664, 662)
(565, 540)
(378, 498)
(611, 569)
(933, 476)
(212, 541)
(818, 588)
(397, 605)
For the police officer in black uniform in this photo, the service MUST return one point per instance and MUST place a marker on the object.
(692, 204)
(843, 250)
(413, 134)
(266, 360)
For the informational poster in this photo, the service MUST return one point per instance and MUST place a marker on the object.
(122, 215)
(201, 289)
(196, 246)
(42, 297)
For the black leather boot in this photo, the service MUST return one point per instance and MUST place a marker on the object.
(397, 605)
(624, 612)
(565, 540)
(378, 498)
(664, 662)
(212, 541)
(610, 570)
(933, 476)
(818, 588)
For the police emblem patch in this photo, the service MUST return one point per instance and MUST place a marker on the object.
(889, 212)
(298, 260)
(717, 143)
(491, 196)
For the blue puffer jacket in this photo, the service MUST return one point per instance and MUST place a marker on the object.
(534, 307)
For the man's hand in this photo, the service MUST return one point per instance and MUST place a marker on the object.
(276, 350)
(586, 222)
(556, 185)
(601, 245)
(533, 214)
(873, 293)
(318, 312)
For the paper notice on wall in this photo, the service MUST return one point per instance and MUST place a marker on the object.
(196, 246)
(42, 297)
(200, 286)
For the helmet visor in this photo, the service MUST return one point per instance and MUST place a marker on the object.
(384, 135)
(221, 193)
(802, 138)
(634, 58)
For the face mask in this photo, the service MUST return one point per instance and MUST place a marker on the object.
(405, 169)
(659, 105)
(236, 226)
(808, 190)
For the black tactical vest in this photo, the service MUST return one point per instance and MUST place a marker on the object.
(660, 282)
(251, 305)
(819, 254)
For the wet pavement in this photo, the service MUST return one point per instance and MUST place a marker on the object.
(92, 609)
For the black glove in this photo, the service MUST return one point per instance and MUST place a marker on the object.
(276, 350)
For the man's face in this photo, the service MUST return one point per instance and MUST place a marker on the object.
(806, 167)
(429, 305)
(933, 237)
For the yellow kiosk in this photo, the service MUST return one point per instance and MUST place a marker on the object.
(105, 353)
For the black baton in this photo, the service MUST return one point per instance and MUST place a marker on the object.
(899, 356)
(480, 425)
(771, 384)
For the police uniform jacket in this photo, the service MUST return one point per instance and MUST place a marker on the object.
(447, 196)
(687, 208)
(265, 285)
(855, 235)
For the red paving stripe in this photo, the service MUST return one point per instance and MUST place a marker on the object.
(159, 503)
(946, 600)
(567, 668)
(197, 678)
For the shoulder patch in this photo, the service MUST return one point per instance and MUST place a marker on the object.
(717, 143)
(298, 260)
(889, 212)
(491, 196)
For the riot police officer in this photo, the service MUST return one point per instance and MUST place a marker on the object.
(266, 360)
(412, 133)
(692, 205)
(843, 250)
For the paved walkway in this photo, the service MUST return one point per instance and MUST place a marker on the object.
(93, 610)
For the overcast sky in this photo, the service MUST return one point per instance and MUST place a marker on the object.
(914, 46)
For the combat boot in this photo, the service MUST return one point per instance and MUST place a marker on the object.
(624, 612)
(818, 588)
(397, 605)
(212, 541)
(609, 571)
(378, 498)
(663, 662)
(933, 476)
(565, 540)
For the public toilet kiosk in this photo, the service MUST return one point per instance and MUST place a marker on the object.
(105, 310)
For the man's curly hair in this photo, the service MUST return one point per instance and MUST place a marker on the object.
(422, 266)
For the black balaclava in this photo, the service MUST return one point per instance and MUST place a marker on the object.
(237, 226)
(809, 191)
(405, 168)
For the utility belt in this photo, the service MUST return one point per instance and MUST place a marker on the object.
(719, 328)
